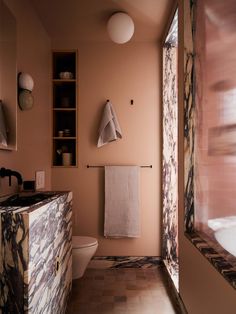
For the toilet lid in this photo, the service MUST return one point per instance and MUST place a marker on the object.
(79, 241)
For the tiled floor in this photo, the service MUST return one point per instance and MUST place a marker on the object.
(123, 291)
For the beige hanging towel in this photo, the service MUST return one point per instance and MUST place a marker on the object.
(109, 128)
(122, 214)
(3, 128)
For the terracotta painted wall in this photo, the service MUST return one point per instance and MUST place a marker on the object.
(33, 130)
(202, 289)
(118, 73)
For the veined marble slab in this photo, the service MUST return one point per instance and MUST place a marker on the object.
(103, 262)
(170, 153)
(36, 256)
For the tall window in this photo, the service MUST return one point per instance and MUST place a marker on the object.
(215, 125)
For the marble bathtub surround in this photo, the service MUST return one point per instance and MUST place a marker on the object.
(218, 260)
(36, 256)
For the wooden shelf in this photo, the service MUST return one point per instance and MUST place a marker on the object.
(64, 138)
(53, 166)
(63, 81)
(64, 109)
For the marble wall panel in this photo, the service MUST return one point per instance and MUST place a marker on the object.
(13, 261)
(189, 111)
(36, 257)
(170, 158)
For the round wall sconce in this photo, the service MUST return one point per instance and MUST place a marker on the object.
(120, 27)
(25, 87)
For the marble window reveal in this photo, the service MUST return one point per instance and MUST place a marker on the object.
(36, 257)
(208, 129)
(188, 116)
(170, 158)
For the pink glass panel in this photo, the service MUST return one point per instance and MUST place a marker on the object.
(215, 120)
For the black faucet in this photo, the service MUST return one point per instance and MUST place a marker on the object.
(9, 173)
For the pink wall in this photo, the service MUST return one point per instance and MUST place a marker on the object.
(33, 129)
(118, 73)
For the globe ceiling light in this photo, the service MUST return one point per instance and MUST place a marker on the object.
(120, 27)
(25, 87)
(25, 81)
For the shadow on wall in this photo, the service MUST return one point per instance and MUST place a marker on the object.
(93, 136)
(101, 201)
(93, 139)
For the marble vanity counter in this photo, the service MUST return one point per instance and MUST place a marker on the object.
(49, 196)
(36, 255)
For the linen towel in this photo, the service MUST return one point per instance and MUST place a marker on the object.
(122, 214)
(109, 128)
(3, 129)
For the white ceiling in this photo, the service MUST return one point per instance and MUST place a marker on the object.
(85, 20)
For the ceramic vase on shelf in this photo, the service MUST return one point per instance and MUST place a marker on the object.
(66, 159)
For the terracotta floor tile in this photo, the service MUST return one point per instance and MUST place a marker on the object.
(107, 299)
(108, 292)
(132, 293)
(104, 307)
(120, 291)
(120, 298)
(133, 300)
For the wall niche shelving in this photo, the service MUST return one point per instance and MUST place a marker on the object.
(64, 107)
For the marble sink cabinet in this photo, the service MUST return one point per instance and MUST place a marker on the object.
(36, 256)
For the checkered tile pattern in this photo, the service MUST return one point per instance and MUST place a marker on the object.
(123, 291)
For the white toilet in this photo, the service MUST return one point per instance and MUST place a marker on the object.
(83, 249)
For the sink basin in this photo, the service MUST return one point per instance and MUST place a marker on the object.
(25, 200)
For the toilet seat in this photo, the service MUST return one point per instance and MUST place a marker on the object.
(82, 242)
